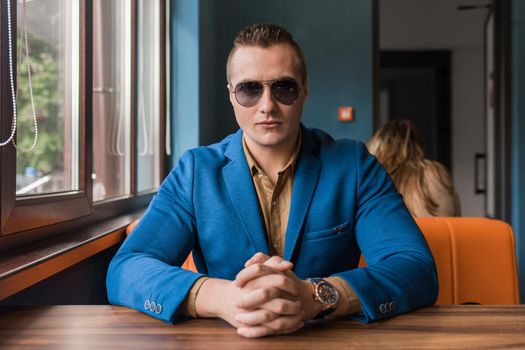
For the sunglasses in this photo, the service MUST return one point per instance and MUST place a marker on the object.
(248, 93)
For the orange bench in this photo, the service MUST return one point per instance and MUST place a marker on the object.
(475, 258)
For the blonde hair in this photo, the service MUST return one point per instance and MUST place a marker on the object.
(397, 146)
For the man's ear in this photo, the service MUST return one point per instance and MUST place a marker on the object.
(305, 88)
(230, 93)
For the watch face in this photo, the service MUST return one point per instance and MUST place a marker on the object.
(327, 294)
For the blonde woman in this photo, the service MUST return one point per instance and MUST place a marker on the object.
(426, 185)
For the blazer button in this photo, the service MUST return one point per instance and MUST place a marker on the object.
(382, 308)
(147, 304)
(392, 306)
(158, 309)
(152, 306)
(387, 307)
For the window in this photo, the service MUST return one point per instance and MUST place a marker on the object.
(148, 104)
(112, 53)
(90, 110)
(47, 96)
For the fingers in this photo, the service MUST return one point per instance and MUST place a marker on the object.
(279, 281)
(258, 270)
(257, 258)
(285, 324)
(255, 318)
(269, 311)
(283, 306)
(270, 301)
(276, 262)
(254, 332)
(255, 298)
(279, 325)
(260, 297)
(251, 272)
(279, 263)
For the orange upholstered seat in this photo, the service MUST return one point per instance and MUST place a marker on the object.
(475, 259)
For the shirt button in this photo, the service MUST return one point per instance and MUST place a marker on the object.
(382, 308)
(152, 306)
(147, 304)
(158, 309)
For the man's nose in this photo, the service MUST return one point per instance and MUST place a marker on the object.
(267, 103)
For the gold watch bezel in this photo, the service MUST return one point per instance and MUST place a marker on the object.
(325, 293)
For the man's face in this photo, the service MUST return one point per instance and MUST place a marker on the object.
(269, 124)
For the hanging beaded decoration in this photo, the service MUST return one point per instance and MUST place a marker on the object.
(14, 95)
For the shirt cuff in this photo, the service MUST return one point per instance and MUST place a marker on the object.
(350, 296)
(192, 297)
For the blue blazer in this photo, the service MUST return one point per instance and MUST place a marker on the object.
(343, 205)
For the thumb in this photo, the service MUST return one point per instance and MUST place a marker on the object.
(257, 258)
(278, 263)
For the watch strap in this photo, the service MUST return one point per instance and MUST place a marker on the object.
(323, 314)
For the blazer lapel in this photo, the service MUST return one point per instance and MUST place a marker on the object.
(240, 187)
(305, 181)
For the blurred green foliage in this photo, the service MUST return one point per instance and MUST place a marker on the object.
(47, 84)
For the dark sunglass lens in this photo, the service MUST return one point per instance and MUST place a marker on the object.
(248, 93)
(285, 91)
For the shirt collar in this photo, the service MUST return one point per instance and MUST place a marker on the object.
(254, 167)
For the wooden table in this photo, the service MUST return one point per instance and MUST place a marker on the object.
(112, 327)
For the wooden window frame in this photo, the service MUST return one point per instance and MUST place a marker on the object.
(26, 219)
(22, 214)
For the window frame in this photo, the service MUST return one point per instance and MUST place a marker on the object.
(27, 219)
(27, 213)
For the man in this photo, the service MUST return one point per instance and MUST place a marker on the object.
(277, 216)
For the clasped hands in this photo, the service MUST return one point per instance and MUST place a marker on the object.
(265, 298)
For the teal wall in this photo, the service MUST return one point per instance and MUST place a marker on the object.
(518, 134)
(184, 75)
(335, 35)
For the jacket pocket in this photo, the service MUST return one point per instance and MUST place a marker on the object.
(336, 231)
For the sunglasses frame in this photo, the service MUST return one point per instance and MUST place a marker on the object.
(233, 89)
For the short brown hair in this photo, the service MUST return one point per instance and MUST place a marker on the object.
(266, 35)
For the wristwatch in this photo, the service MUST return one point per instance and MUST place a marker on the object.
(326, 294)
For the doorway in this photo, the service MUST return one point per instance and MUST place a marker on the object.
(415, 85)
(416, 39)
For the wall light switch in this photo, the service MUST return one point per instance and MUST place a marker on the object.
(346, 114)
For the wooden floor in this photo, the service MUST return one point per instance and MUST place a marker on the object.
(111, 327)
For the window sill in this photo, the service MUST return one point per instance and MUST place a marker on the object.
(25, 266)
